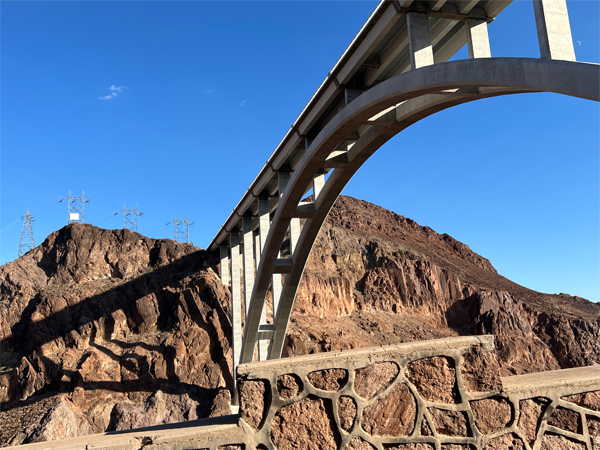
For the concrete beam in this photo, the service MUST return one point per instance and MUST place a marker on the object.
(419, 40)
(554, 30)
(283, 265)
(236, 304)
(478, 39)
(224, 253)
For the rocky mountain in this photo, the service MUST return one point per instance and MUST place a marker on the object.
(108, 330)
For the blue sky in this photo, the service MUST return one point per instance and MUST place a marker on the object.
(202, 92)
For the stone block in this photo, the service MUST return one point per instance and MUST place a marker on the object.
(556, 442)
(371, 380)
(508, 441)
(289, 386)
(392, 415)
(328, 379)
(565, 419)
(491, 414)
(306, 424)
(252, 402)
(450, 423)
(346, 412)
(435, 379)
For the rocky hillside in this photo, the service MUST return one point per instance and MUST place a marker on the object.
(109, 330)
(375, 277)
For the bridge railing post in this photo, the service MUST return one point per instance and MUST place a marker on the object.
(554, 30)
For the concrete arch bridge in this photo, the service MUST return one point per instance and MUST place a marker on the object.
(394, 73)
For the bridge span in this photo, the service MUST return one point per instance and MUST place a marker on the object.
(394, 73)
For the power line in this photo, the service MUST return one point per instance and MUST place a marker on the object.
(130, 217)
(26, 241)
(76, 205)
(181, 234)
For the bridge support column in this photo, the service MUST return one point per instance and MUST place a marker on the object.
(419, 40)
(264, 224)
(478, 39)
(554, 30)
(248, 261)
(224, 253)
(318, 183)
(236, 306)
(283, 180)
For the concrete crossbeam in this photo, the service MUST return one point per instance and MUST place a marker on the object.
(554, 30)
(419, 40)
(478, 39)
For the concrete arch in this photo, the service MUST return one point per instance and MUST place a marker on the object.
(407, 98)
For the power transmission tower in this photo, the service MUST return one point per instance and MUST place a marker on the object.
(76, 207)
(181, 234)
(130, 217)
(26, 241)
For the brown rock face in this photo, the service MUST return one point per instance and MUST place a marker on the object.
(450, 423)
(371, 380)
(252, 402)
(505, 442)
(555, 442)
(435, 379)
(306, 424)
(392, 415)
(288, 386)
(328, 379)
(113, 320)
(346, 412)
(491, 414)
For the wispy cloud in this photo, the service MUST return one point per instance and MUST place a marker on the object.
(115, 90)
(209, 91)
(243, 102)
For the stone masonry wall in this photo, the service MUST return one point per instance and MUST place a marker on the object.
(444, 395)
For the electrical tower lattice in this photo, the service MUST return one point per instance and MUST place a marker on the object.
(182, 234)
(130, 218)
(26, 241)
(76, 205)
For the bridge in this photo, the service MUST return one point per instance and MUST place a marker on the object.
(395, 72)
